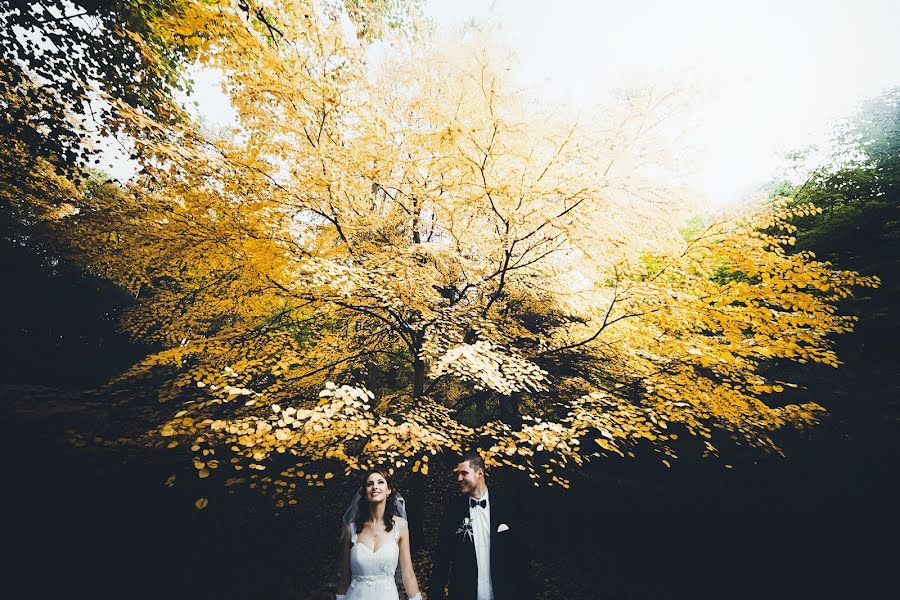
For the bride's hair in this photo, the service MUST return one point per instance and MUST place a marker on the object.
(362, 510)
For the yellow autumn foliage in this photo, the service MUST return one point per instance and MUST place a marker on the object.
(409, 226)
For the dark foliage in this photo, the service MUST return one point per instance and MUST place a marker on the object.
(70, 50)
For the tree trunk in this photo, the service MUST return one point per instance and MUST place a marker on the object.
(418, 377)
(509, 408)
(417, 238)
(415, 506)
(418, 367)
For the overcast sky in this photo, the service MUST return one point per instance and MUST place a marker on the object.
(772, 75)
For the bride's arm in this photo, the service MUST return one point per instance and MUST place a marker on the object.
(344, 582)
(410, 584)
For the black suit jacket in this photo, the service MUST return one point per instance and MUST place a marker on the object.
(454, 566)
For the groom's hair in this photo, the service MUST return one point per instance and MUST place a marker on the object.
(473, 457)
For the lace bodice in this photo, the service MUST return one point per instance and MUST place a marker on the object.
(372, 571)
(365, 562)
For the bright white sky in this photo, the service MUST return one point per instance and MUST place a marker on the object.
(772, 75)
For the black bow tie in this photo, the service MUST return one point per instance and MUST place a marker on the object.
(473, 503)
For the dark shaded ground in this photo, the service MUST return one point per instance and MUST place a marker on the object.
(98, 521)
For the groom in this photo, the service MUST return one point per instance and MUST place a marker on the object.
(480, 553)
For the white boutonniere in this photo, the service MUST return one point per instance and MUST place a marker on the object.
(466, 528)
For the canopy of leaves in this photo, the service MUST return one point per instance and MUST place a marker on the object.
(68, 56)
(471, 269)
(859, 190)
(65, 55)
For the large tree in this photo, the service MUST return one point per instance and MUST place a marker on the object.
(468, 267)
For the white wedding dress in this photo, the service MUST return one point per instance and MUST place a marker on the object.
(373, 571)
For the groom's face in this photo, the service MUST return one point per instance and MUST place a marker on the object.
(468, 477)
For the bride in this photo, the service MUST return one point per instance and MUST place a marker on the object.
(375, 540)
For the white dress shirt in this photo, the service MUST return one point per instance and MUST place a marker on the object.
(481, 531)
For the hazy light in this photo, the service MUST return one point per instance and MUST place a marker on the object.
(770, 75)
(767, 76)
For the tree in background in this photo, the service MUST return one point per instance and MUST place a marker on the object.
(65, 57)
(858, 189)
(470, 269)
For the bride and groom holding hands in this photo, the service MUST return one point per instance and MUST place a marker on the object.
(480, 554)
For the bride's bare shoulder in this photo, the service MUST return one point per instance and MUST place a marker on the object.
(399, 521)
